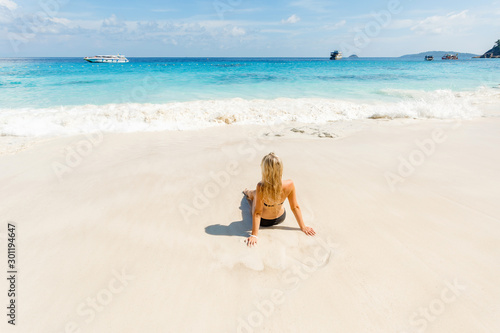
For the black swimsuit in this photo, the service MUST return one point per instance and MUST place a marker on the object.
(268, 223)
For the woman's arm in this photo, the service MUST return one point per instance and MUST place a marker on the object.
(258, 203)
(294, 206)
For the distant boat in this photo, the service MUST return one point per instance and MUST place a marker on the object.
(107, 58)
(429, 58)
(448, 56)
(335, 55)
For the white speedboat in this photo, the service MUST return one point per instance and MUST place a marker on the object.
(107, 58)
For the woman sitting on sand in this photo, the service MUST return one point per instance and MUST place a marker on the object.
(267, 200)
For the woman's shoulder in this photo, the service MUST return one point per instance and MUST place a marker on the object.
(288, 184)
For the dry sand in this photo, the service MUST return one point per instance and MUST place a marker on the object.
(145, 232)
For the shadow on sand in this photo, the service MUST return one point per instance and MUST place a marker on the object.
(242, 227)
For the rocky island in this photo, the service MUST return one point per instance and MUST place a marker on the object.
(494, 52)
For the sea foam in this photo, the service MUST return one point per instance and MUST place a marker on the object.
(133, 117)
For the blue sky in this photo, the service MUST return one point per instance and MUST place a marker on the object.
(253, 28)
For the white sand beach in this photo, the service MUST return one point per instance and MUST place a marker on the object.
(144, 232)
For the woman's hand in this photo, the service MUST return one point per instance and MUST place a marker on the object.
(308, 231)
(252, 240)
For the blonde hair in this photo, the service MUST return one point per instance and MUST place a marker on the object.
(272, 171)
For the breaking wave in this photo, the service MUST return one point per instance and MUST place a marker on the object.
(133, 117)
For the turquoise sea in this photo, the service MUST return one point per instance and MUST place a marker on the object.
(40, 96)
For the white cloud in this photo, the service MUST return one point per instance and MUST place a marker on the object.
(401, 24)
(113, 25)
(169, 41)
(60, 20)
(112, 20)
(280, 31)
(335, 26)
(236, 31)
(291, 20)
(447, 24)
(9, 4)
(5, 17)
